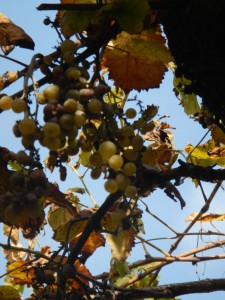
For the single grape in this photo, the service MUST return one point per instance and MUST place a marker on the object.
(96, 173)
(41, 98)
(131, 191)
(51, 129)
(70, 105)
(67, 45)
(28, 141)
(66, 121)
(130, 113)
(27, 126)
(6, 102)
(73, 93)
(52, 143)
(96, 159)
(95, 106)
(72, 73)
(68, 57)
(19, 105)
(79, 118)
(11, 76)
(107, 149)
(130, 154)
(51, 92)
(122, 181)
(115, 162)
(129, 169)
(111, 186)
(127, 131)
(137, 142)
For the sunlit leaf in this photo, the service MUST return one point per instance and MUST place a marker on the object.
(206, 154)
(218, 135)
(137, 61)
(84, 158)
(21, 273)
(94, 241)
(9, 293)
(206, 217)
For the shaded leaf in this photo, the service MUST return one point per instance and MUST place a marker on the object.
(12, 35)
(218, 135)
(137, 61)
(9, 293)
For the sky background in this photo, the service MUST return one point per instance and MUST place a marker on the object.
(24, 14)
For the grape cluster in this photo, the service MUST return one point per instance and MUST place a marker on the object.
(21, 205)
(78, 117)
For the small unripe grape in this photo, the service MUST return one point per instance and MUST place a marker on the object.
(51, 92)
(95, 106)
(68, 57)
(107, 149)
(6, 102)
(19, 105)
(129, 169)
(70, 105)
(68, 45)
(16, 130)
(27, 126)
(111, 186)
(115, 162)
(131, 191)
(130, 113)
(51, 129)
(11, 76)
(72, 73)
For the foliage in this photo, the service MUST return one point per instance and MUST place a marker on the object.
(87, 123)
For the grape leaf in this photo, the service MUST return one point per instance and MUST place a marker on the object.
(9, 293)
(206, 154)
(20, 273)
(218, 135)
(137, 61)
(206, 217)
(130, 14)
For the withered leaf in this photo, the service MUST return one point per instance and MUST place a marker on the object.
(12, 35)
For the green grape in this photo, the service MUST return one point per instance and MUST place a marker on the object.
(66, 121)
(122, 181)
(130, 113)
(70, 105)
(83, 82)
(96, 159)
(68, 57)
(27, 126)
(28, 141)
(73, 93)
(115, 162)
(16, 130)
(19, 105)
(95, 106)
(51, 129)
(68, 45)
(127, 131)
(41, 98)
(79, 118)
(84, 72)
(123, 142)
(86, 94)
(111, 186)
(137, 142)
(131, 191)
(22, 158)
(107, 149)
(6, 102)
(51, 92)
(52, 143)
(72, 73)
(96, 173)
(130, 154)
(129, 169)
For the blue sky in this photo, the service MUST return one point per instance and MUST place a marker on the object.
(186, 131)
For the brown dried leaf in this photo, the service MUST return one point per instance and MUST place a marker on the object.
(12, 35)
(206, 218)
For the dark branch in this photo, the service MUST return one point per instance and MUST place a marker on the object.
(174, 290)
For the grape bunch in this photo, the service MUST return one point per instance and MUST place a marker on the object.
(79, 117)
(22, 204)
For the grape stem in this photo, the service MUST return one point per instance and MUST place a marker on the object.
(85, 186)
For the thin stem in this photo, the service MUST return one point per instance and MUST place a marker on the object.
(85, 186)
(14, 60)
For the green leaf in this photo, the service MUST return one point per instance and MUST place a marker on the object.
(130, 14)
(76, 21)
(84, 159)
(9, 293)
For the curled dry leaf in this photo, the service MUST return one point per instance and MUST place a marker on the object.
(206, 217)
(12, 35)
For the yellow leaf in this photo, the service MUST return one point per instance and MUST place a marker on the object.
(21, 273)
(137, 61)
(9, 293)
(206, 217)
